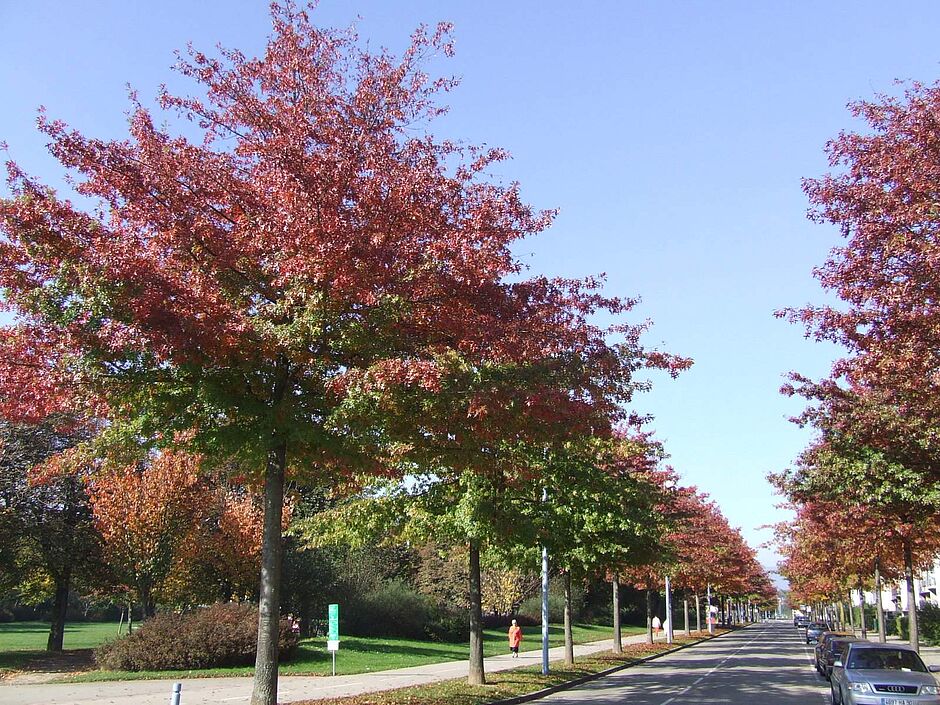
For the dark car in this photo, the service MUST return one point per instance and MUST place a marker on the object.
(829, 648)
(801, 621)
(814, 629)
(821, 646)
(869, 673)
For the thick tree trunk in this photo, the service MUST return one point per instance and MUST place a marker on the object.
(618, 639)
(130, 617)
(269, 605)
(879, 608)
(59, 608)
(649, 616)
(698, 613)
(911, 597)
(476, 675)
(569, 637)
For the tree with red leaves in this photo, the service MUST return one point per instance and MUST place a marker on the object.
(248, 289)
(882, 504)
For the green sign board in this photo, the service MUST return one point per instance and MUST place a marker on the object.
(334, 623)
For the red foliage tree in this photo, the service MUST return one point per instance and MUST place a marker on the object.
(243, 287)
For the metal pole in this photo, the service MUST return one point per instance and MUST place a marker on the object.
(544, 611)
(668, 611)
(711, 627)
(544, 598)
(175, 698)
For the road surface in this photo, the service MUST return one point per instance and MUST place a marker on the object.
(765, 664)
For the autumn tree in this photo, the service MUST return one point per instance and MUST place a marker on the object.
(147, 514)
(240, 288)
(900, 520)
(698, 545)
(882, 195)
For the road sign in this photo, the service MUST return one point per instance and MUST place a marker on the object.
(333, 636)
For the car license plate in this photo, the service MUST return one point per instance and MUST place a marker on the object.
(897, 701)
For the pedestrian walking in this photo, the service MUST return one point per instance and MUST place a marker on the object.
(657, 625)
(515, 638)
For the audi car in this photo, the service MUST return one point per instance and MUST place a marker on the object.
(868, 673)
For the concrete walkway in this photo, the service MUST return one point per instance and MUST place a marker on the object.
(212, 691)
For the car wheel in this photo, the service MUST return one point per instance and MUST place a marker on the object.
(832, 692)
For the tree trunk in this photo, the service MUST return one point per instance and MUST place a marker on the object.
(911, 597)
(618, 640)
(649, 616)
(685, 612)
(269, 604)
(59, 609)
(698, 613)
(130, 617)
(861, 608)
(476, 675)
(569, 637)
(879, 608)
(147, 604)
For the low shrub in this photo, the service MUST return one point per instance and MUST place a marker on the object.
(211, 637)
(392, 610)
(531, 609)
(447, 626)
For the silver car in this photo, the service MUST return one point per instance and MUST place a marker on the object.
(883, 674)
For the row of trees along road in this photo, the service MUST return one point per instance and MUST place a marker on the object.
(866, 488)
(319, 291)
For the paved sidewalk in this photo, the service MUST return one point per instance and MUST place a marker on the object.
(212, 691)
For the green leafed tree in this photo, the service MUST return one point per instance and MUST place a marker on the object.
(49, 540)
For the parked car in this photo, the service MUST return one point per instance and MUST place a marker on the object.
(801, 621)
(814, 629)
(821, 646)
(829, 648)
(869, 673)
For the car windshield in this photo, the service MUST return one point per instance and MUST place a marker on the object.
(818, 625)
(838, 644)
(886, 660)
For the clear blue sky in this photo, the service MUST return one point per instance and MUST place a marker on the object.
(672, 136)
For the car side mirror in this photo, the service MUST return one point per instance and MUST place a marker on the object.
(837, 664)
(933, 669)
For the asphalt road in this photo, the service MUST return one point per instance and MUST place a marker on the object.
(765, 664)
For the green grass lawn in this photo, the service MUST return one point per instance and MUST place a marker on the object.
(32, 636)
(356, 655)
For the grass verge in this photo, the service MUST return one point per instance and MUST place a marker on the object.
(507, 684)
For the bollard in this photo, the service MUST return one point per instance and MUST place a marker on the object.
(175, 698)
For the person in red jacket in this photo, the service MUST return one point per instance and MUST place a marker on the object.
(515, 638)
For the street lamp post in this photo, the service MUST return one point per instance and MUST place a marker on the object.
(544, 600)
(668, 611)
